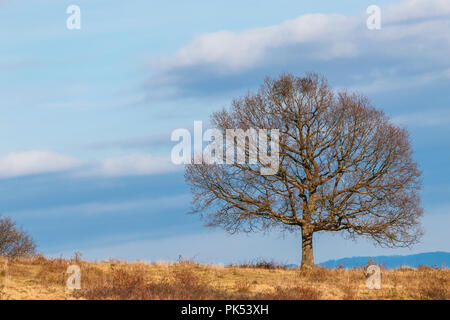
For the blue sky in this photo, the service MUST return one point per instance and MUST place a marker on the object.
(86, 114)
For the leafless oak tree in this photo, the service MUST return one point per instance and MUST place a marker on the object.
(343, 166)
(14, 242)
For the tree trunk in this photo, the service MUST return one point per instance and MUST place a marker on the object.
(307, 248)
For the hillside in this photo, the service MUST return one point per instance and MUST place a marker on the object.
(431, 259)
(43, 278)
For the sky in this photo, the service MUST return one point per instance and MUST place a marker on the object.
(86, 114)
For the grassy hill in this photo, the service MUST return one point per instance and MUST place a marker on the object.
(43, 278)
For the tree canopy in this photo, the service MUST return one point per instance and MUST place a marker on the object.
(343, 167)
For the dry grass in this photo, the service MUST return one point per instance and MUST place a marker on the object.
(43, 278)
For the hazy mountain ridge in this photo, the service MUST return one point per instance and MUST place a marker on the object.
(432, 259)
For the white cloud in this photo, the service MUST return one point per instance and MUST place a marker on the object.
(417, 9)
(231, 51)
(134, 164)
(414, 41)
(15, 164)
(23, 163)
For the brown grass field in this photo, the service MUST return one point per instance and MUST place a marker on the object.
(44, 278)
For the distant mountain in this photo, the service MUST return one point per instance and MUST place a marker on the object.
(414, 260)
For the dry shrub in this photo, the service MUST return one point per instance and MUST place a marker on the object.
(423, 268)
(243, 287)
(52, 271)
(131, 284)
(182, 284)
(261, 264)
(3, 266)
(291, 293)
(349, 289)
(92, 274)
(434, 288)
(38, 259)
(3, 275)
(316, 274)
(14, 241)
(3, 295)
(121, 284)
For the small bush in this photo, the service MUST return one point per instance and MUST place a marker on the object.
(262, 264)
(14, 241)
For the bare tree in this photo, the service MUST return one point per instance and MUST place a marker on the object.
(343, 166)
(14, 242)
